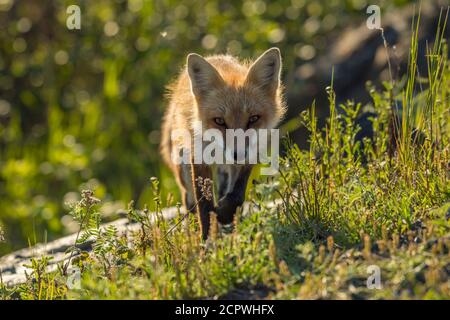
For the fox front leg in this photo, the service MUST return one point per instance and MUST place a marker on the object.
(235, 196)
(203, 189)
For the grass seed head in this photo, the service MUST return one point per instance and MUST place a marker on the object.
(206, 187)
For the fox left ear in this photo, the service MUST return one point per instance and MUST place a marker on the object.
(203, 76)
(265, 71)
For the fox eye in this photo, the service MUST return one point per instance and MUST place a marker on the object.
(219, 121)
(253, 119)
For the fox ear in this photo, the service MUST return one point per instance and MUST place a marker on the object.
(265, 71)
(202, 74)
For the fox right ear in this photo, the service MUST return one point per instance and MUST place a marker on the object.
(264, 73)
(202, 74)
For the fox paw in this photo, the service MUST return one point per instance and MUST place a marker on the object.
(226, 210)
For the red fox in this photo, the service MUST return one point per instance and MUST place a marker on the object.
(220, 92)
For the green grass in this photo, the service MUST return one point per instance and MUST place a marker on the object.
(313, 231)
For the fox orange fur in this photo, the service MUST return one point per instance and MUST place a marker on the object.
(223, 93)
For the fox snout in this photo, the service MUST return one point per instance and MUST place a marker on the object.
(242, 152)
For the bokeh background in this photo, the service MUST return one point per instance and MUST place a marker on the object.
(82, 108)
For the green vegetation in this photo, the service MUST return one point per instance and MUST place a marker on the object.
(314, 231)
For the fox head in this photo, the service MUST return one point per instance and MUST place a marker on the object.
(234, 95)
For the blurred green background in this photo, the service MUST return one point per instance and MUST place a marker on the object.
(82, 108)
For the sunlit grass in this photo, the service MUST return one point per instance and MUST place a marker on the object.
(311, 232)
